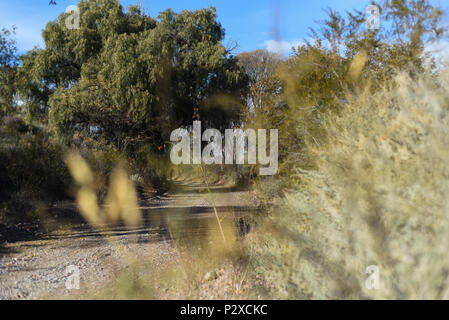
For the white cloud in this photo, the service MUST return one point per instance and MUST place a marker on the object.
(281, 47)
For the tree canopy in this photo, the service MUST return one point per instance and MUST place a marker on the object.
(8, 63)
(131, 78)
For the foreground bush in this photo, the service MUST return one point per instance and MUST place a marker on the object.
(377, 197)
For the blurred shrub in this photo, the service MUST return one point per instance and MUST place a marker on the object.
(377, 196)
(31, 169)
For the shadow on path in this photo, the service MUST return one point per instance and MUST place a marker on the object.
(185, 211)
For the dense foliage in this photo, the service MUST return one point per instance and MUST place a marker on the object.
(114, 89)
(342, 57)
(132, 79)
(361, 113)
(362, 117)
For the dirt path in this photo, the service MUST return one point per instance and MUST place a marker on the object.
(38, 269)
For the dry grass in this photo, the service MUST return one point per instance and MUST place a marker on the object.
(377, 197)
(214, 265)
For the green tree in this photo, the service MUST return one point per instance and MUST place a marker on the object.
(345, 56)
(31, 167)
(8, 65)
(260, 66)
(131, 79)
(342, 58)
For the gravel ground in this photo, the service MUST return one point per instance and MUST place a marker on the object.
(39, 269)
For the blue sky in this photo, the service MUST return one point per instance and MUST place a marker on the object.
(253, 24)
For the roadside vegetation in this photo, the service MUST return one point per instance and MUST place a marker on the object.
(362, 120)
(363, 176)
(112, 91)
